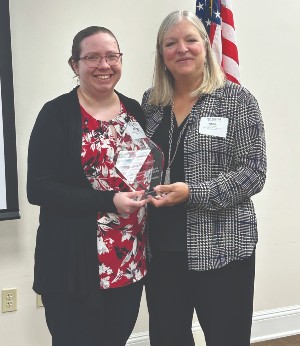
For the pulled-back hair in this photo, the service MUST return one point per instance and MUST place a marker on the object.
(81, 35)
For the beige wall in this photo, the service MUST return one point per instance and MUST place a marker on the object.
(270, 53)
(268, 41)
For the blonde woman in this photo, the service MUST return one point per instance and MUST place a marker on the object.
(202, 224)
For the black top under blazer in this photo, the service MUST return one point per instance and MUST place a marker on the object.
(223, 173)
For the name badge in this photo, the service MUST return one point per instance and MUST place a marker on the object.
(214, 126)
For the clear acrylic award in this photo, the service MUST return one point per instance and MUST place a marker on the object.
(138, 160)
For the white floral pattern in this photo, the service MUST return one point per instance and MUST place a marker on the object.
(121, 239)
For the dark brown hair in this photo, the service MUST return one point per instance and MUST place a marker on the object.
(89, 31)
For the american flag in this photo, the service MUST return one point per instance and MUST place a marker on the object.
(217, 18)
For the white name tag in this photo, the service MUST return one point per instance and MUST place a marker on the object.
(214, 126)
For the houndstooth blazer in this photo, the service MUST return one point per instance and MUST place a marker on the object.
(222, 174)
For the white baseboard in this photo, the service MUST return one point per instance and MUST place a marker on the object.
(267, 325)
(275, 323)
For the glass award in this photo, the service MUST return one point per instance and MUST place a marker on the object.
(138, 160)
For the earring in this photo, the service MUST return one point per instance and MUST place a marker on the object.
(77, 81)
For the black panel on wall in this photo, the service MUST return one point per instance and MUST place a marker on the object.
(9, 192)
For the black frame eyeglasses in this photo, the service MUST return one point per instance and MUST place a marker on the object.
(94, 60)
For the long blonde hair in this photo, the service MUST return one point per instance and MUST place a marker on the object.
(163, 81)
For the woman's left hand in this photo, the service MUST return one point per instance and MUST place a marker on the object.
(169, 195)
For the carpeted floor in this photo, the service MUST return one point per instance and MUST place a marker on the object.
(288, 341)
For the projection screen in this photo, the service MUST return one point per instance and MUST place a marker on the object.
(9, 205)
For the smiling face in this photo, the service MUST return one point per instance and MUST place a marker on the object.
(184, 51)
(104, 77)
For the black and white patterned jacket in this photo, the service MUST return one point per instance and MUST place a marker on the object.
(222, 174)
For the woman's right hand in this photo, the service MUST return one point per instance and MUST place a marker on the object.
(128, 202)
(169, 195)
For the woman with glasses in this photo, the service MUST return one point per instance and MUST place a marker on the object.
(202, 225)
(90, 250)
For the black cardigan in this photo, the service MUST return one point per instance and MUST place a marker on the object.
(66, 248)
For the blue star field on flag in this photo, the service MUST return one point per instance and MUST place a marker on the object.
(209, 12)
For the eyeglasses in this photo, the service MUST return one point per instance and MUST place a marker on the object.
(94, 60)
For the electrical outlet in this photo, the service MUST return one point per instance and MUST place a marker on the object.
(9, 299)
(39, 302)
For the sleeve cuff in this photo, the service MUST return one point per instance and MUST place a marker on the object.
(107, 204)
(199, 195)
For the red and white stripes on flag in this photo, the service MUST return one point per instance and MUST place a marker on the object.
(217, 17)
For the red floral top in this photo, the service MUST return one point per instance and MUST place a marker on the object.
(121, 239)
